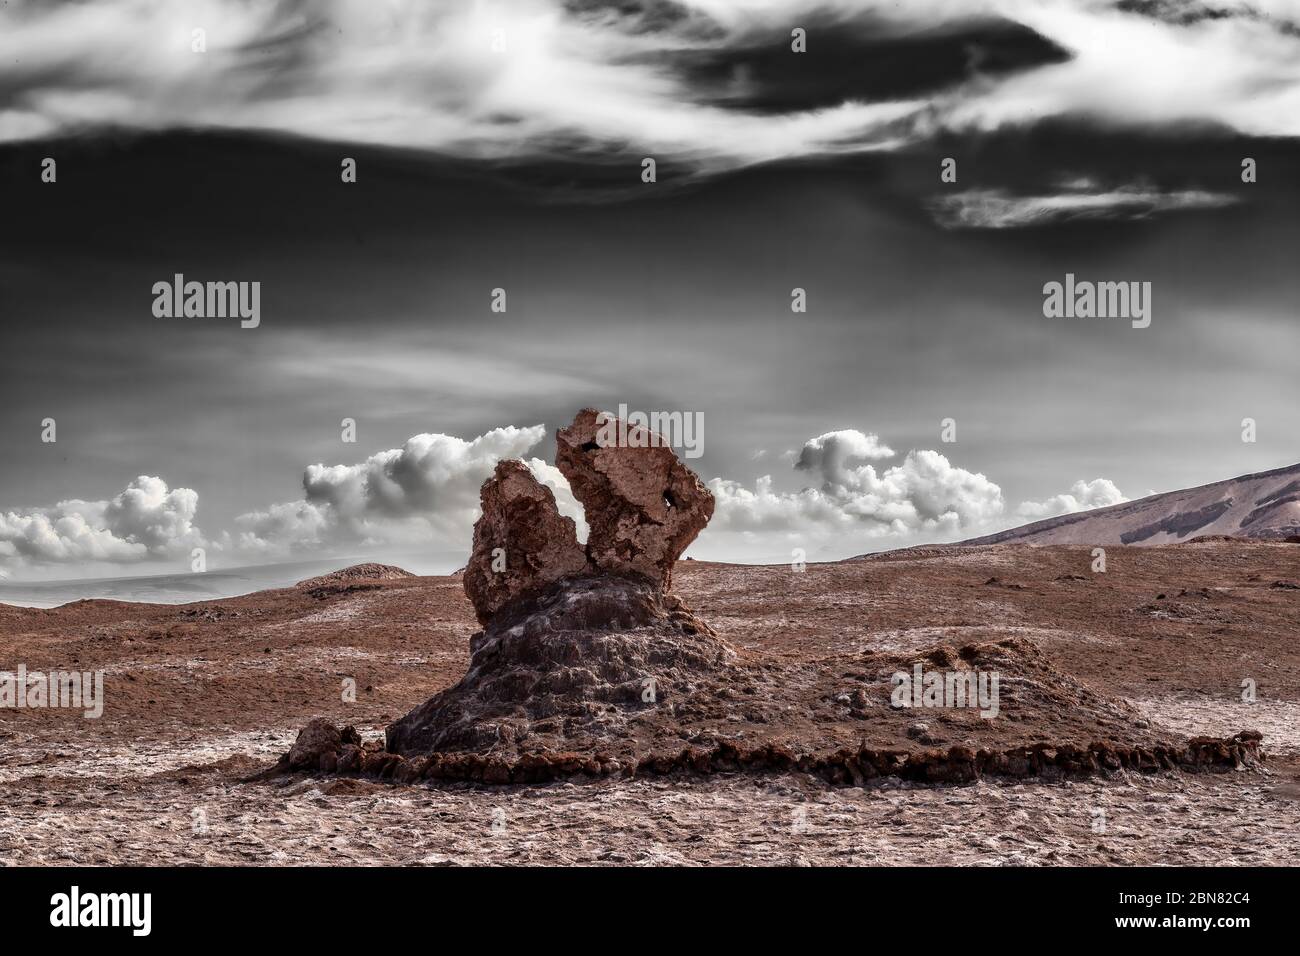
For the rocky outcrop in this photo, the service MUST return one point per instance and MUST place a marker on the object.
(580, 662)
(577, 643)
(643, 506)
(587, 664)
(522, 543)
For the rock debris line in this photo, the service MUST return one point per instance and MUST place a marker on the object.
(587, 664)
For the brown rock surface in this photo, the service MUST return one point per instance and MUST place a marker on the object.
(197, 704)
(540, 545)
(643, 506)
(572, 668)
(576, 644)
(587, 664)
(319, 743)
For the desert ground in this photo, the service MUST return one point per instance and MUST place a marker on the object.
(201, 697)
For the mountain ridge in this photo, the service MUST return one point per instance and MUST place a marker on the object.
(1261, 506)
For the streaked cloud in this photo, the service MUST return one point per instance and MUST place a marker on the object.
(523, 78)
(703, 84)
(1000, 209)
(1239, 71)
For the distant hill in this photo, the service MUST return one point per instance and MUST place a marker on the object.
(163, 588)
(215, 584)
(1264, 506)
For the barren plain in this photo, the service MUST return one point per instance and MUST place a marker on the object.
(201, 697)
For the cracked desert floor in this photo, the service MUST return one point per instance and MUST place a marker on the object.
(201, 696)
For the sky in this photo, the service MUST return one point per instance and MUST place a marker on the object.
(501, 146)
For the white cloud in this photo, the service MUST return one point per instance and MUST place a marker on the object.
(1241, 71)
(565, 503)
(998, 209)
(837, 455)
(924, 493)
(283, 528)
(425, 75)
(426, 491)
(412, 74)
(1082, 496)
(146, 521)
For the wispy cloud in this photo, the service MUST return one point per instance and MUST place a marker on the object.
(533, 77)
(1130, 67)
(999, 209)
(477, 79)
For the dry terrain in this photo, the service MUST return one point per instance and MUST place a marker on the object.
(201, 696)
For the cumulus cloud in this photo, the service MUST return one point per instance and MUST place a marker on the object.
(532, 77)
(923, 493)
(146, 521)
(285, 527)
(427, 490)
(1082, 496)
(999, 209)
(426, 493)
(836, 455)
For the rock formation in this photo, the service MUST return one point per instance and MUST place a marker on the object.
(576, 641)
(587, 664)
(642, 507)
(521, 543)
(642, 504)
(571, 668)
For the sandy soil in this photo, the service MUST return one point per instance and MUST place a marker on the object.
(199, 696)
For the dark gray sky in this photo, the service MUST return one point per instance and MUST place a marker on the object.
(777, 170)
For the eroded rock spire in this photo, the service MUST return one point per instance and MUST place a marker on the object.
(521, 543)
(642, 505)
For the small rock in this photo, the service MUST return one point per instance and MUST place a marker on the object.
(318, 738)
